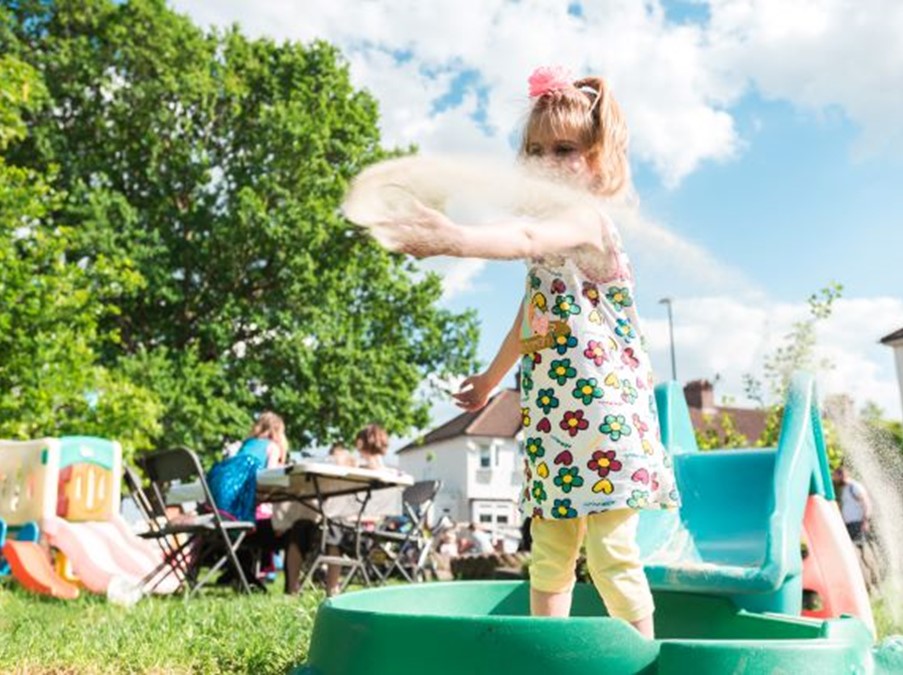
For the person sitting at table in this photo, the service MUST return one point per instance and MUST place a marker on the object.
(233, 484)
(301, 536)
(340, 455)
(372, 443)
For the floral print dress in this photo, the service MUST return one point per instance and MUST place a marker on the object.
(590, 426)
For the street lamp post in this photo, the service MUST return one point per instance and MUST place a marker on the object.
(668, 301)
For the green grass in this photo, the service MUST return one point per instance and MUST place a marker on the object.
(215, 632)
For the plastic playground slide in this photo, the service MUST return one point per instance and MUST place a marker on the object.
(90, 553)
(31, 567)
(71, 486)
(26, 532)
(135, 556)
(740, 525)
(831, 567)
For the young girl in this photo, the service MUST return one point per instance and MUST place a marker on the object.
(594, 458)
(233, 483)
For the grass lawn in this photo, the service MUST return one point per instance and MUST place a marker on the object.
(215, 632)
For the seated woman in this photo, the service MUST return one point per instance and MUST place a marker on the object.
(302, 535)
(372, 443)
(339, 454)
(233, 484)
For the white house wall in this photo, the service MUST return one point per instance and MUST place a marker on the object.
(444, 461)
(500, 481)
(898, 354)
(456, 462)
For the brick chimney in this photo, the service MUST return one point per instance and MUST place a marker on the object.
(700, 394)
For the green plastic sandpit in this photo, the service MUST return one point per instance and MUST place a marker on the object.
(477, 628)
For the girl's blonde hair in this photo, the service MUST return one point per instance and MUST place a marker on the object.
(589, 109)
(373, 439)
(270, 426)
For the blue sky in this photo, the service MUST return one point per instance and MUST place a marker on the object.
(795, 210)
(767, 147)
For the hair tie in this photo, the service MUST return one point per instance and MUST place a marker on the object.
(547, 79)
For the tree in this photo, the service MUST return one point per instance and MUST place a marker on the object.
(724, 435)
(214, 166)
(797, 352)
(50, 381)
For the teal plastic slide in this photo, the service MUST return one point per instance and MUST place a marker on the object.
(738, 533)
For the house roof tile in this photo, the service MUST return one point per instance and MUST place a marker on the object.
(500, 418)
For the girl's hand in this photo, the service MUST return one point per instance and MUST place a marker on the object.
(474, 393)
(422, 234)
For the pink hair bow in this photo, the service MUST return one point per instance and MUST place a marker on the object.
(549, 78)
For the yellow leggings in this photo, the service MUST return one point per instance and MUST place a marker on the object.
(612, 556)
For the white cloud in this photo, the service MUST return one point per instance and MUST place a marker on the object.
(659, 253)
(819, 54)
(458, 275)
(728, 337)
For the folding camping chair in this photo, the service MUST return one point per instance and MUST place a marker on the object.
(154, 514)
(206, 537)
(407, 548)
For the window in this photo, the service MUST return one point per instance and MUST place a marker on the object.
(493, 514)
(485, 456)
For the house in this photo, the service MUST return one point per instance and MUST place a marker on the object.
(477, 456)
(895, 341)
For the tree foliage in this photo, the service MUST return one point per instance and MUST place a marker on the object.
(796, 352)
(881, 430)
(50, 377)
(718, 432)
(197, 177)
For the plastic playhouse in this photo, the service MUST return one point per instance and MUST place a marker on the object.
(68, 489)
(727, 573)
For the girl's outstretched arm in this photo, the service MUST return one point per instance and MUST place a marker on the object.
(428, 233)
(475, 390)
